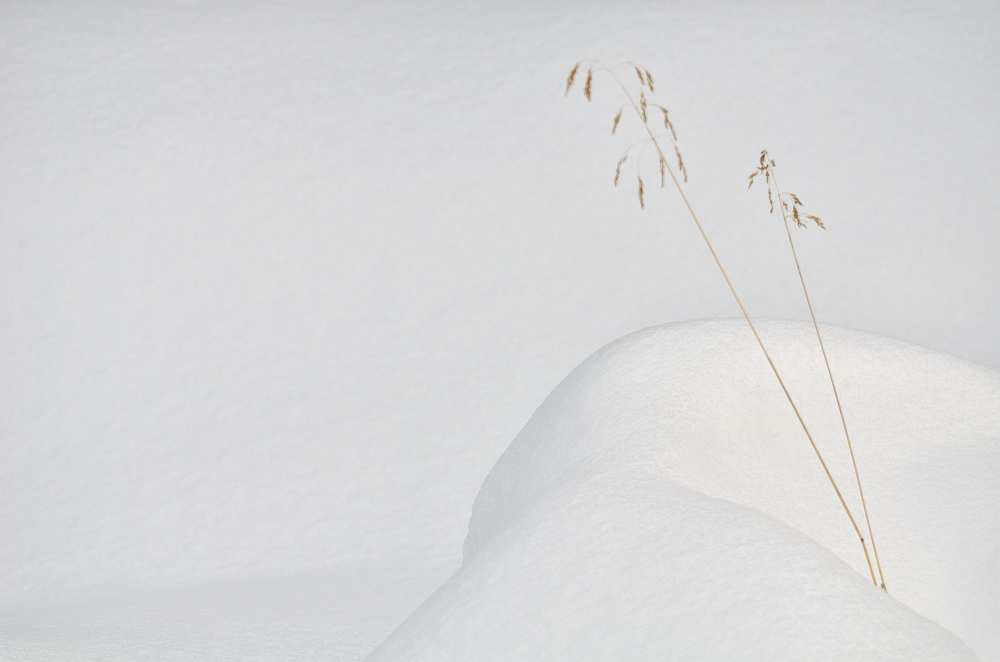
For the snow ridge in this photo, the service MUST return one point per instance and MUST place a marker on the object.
(662, 500)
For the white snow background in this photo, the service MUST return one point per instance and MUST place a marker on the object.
(282, 281)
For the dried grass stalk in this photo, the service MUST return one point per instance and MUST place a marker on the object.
(766, 165)
(640, 107)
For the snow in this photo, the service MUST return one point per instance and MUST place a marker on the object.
(663, 502)
(280, 282)
(309, 616)
(623, 564)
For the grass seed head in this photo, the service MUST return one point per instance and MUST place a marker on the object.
(587, 85)
(791, 203)
(618, 168)
(796, 217)
(817, 220)
(571, 78)
(680, 163)
(667, 124)
(616, 122)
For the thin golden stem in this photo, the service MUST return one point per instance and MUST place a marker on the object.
(833, 384)
(746, 317)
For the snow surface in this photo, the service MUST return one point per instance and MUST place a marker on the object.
(663, 504)
(280, 281)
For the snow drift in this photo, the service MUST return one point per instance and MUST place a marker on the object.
(663, 504)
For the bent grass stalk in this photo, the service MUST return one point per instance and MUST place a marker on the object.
(640, 108)
(768, 167)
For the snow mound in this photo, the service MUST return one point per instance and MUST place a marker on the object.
(663, 504)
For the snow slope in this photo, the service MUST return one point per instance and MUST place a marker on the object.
(663, 504)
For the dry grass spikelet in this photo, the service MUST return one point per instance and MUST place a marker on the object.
(642, 193)
(617, 120)
(571, 78)
(649, 80)
(817, 220)
(587, 85)
(663, 172)
(618, 168)
(667, 123)
(796, 217)
(765, 160)
(643, 105)
(680, 163)
(639, 74)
